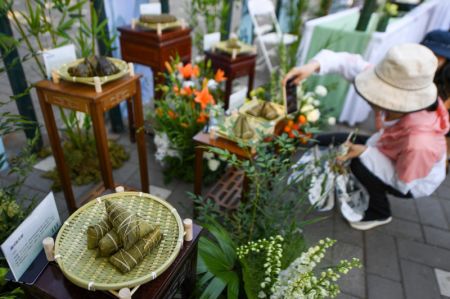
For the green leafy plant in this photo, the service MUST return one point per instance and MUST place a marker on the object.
(218, 266)
(50, 24)
(214, 14)
(14, 207)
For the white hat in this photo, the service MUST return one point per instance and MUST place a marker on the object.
(402, 81)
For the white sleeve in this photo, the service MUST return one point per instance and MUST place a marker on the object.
(345, 64)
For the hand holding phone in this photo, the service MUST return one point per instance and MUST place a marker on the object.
(291, 96)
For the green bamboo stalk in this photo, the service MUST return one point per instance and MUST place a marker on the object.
(366, 12)
(28, 43)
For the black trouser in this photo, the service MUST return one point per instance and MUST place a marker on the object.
(379, 207)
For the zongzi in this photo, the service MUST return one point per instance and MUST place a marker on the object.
(96, 232)
(265, 110)
(109, 244)
(242, 128)
(155, 19)
(93, 66)
(126, 260)
(127, 225)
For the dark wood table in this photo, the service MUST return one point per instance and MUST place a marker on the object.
(180, 276)
(242, 65)
(203, 140)
(148, 48)
(81, 97)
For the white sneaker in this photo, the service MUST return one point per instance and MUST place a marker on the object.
(366, 225)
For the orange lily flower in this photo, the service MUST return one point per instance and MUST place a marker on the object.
(168, 67)
(220, 76)
(186, 91)
(302, 119)
(188, 71)
(172, 114)
(204, 98)
(202, 118)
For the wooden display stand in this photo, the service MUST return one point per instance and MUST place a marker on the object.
(180, 276)
(241, 65)
(150, 48)
(84, 98)
(203, 140)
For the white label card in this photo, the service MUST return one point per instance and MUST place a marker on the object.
(55, 58)
(210, 39)
(25, 243)
(237, 99)
(150, 9)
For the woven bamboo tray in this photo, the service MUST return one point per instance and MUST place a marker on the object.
(80, 265)
(244, 48)
(164, 26)
(120, 64)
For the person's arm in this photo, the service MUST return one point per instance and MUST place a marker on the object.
(328, 62)
(347, 65)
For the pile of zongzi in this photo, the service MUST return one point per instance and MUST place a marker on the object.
(157, 19)
(264, 110)
(123, 237)
(94, 66)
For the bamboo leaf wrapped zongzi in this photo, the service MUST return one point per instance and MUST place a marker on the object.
(126, 260)
(96, 232)
(127, 225)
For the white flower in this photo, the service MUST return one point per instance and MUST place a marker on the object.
(208, 155)
(331, 121)
(212, 84)
(313, 115)
(316, 103)
(161, 141)
(261, 294)
(307, 108)
(188, 83)
(321, 91)
(213, 164)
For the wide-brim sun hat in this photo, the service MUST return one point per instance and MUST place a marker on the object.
(402, 81)
(438, 41)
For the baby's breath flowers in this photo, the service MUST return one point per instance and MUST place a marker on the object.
(299, 280)
(273, 250)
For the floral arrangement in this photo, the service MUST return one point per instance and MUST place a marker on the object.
(246, 253)
(311, 117)
(300, 281)
(188, 97)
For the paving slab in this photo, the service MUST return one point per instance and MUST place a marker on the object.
(381, 255)
(419, 281)
(431, 213)
(425, 254)
(382, 288)
(437, 237)
(354, 282)
(400, 228)
(404, 209)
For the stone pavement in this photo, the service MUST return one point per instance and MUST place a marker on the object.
(399, 258)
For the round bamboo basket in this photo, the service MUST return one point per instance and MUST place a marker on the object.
(81, 266)
(120, 64)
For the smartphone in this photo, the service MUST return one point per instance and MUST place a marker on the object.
(291, 96)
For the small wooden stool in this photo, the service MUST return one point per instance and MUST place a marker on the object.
(84, 98)
(242, 65)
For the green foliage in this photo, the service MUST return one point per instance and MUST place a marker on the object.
(6, 292)
(83, 162)
(218, 266)
(214, 14)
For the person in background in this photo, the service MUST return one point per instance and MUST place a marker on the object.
(438, 41)
(407, 156)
